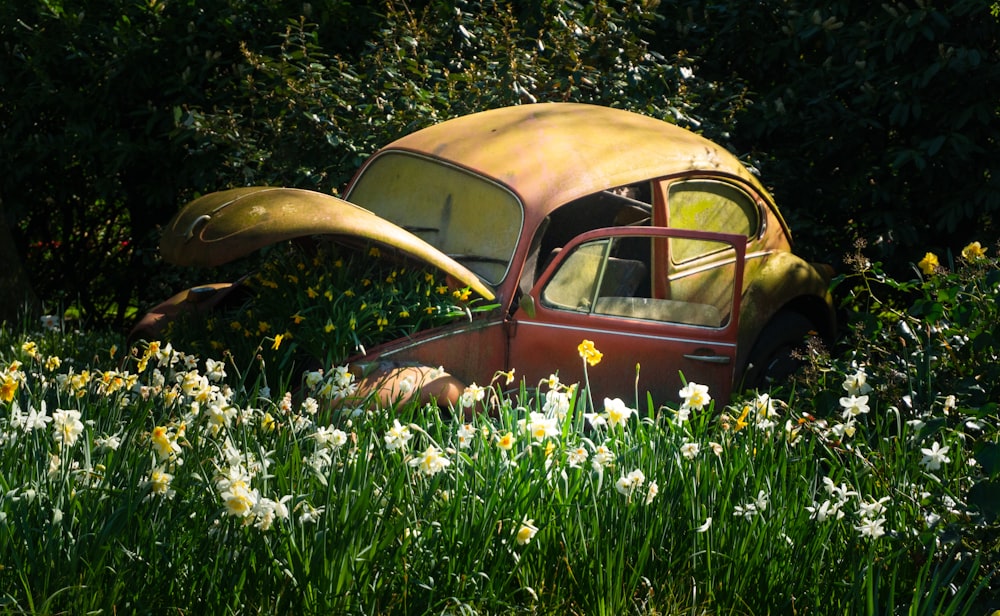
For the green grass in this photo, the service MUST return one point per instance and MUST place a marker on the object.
(324, 522)
(162, 482)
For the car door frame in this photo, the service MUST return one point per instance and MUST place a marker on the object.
(543, 339)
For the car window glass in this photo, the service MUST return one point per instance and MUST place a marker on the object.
(707, 205)
(612, 277)
(469, 218)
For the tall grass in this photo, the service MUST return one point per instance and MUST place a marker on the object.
(182, 487)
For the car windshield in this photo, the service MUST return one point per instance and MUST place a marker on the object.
(467, 217)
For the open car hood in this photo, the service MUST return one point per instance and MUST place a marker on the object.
(223, 226)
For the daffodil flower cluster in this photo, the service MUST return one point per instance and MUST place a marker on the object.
(326, 305)
(267, 463)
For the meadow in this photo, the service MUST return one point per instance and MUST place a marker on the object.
(151, 479)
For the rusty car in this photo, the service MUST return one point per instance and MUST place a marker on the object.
(579, 222)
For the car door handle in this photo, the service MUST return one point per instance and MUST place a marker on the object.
(709, 359)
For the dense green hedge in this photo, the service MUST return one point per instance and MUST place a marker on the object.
(870, 117)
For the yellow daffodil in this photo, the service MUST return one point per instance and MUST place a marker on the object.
(526, 532)
(590, 353)
(742, 421)
(973, 252)
(506, 442)
(929, 264)
(30, 348)
(277, 341)
(8, 387)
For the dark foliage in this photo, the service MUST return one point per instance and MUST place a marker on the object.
(871, 120)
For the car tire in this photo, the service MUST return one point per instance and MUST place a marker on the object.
(773, 357)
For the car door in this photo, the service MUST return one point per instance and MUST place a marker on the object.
(603, 287)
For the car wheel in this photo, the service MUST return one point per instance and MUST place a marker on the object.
(773, 359)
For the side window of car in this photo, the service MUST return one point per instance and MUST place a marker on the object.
(612, 277)
(709, 205)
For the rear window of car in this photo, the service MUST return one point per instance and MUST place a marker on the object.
(708, 205)
(472, 219)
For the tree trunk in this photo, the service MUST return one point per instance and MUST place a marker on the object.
(17, 298)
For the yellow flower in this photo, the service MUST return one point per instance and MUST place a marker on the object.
(164, 446)
(263, 327)
(430, 309)
(973, 252)
(929, 264)
(159, 482)
(277, 341)
(442, 289)
(404, 314)
(462, 295)
(240, 499)
(30, 348)
(381, 322)
(328, 294)
(508, 376)
(589, 353)
(298, 318)
(506, 441)
(329, 327)
(526, 532)
(349, 293)
(742, 421)
(311, 293)
(8, 387)
(235, 326)
(374, 251)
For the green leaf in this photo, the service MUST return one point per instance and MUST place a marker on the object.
(988, 456)
(985, 496)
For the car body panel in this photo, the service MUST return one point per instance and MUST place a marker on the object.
(224, 226)
(518, 203)
(553, 153)
(640, 332)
